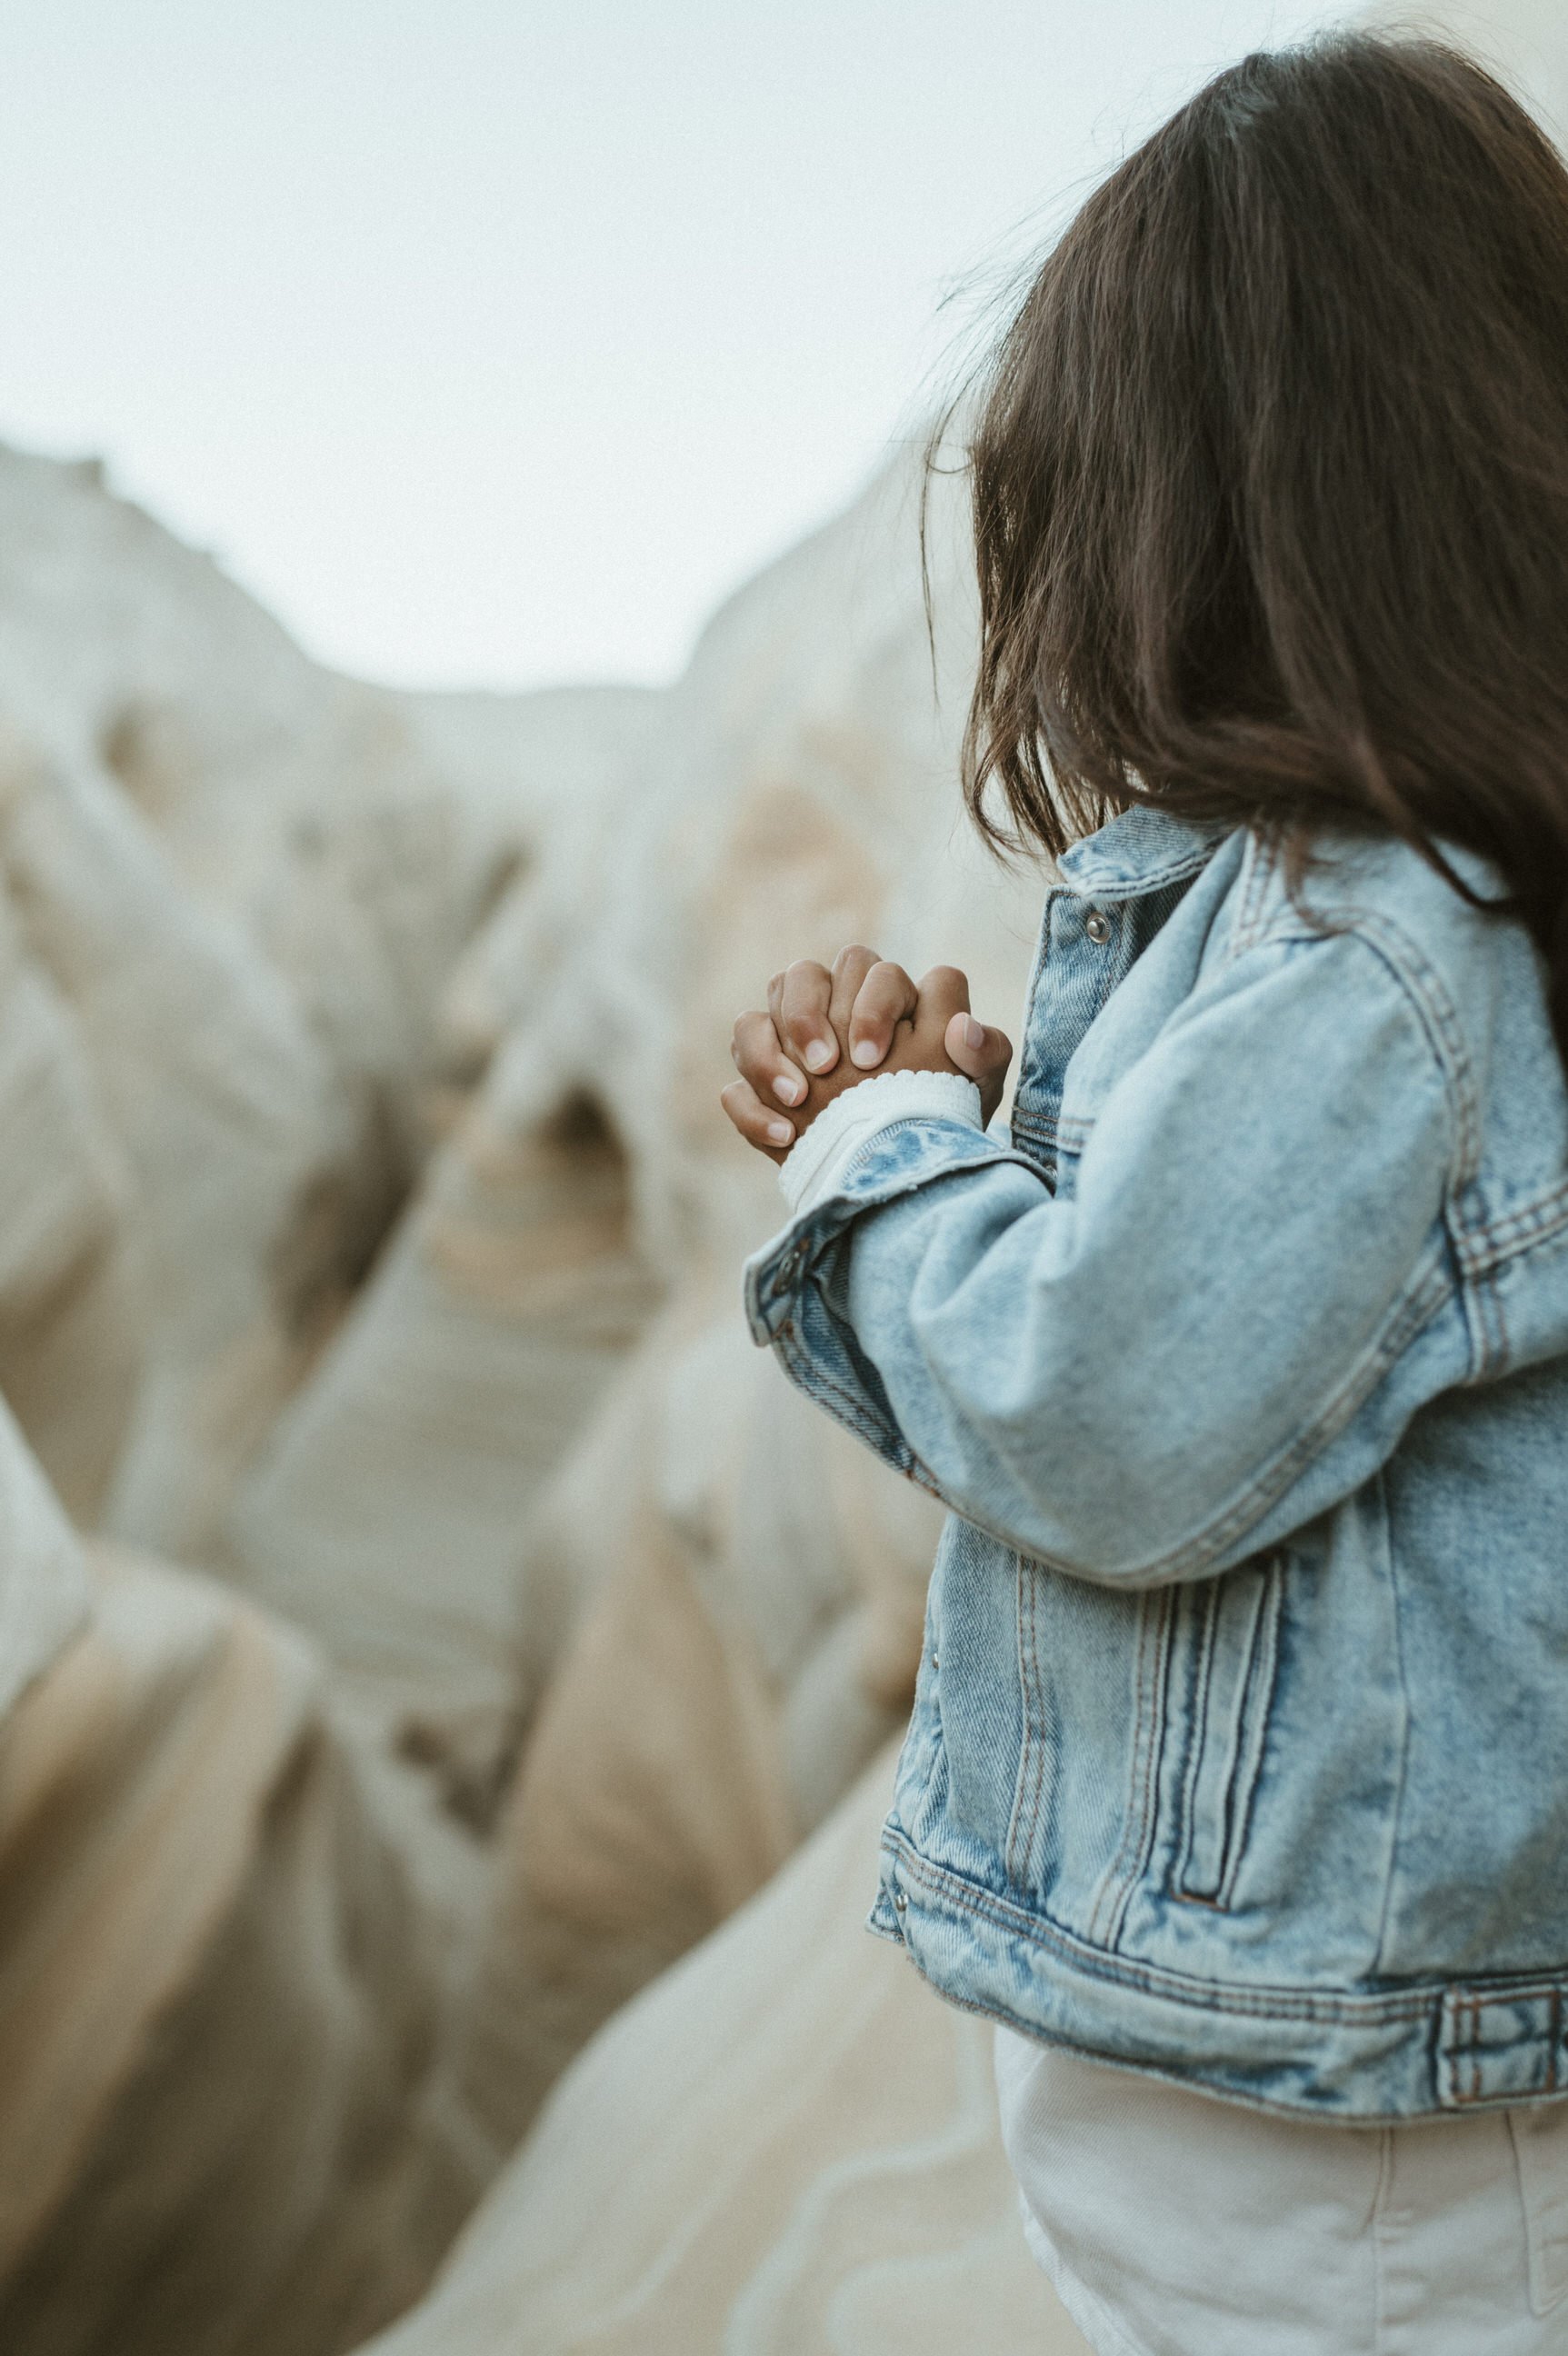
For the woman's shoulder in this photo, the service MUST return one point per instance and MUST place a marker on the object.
(1442, 920)
(1443, 928)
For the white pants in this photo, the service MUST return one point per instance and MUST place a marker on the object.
(1173, 2224)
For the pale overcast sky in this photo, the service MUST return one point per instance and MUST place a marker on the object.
(490, 343)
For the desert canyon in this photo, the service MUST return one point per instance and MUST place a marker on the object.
(448, 1680)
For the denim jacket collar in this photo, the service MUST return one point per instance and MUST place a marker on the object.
(1140, 850)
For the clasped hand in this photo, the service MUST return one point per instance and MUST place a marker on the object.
(828, 1028)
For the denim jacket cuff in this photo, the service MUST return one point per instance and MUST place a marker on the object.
(810, 1172)
(897, 1157)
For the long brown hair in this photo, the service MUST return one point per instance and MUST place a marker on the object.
(1269, 479)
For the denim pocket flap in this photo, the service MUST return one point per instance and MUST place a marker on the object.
(1233, 1635)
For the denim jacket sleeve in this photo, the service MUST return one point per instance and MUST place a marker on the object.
(1123, 1380)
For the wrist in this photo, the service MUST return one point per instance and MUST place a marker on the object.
(873, 1102)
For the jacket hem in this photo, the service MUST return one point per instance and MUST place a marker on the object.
(1422, 2050)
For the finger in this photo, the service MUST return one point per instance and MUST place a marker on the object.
(944, 992)
(761, 1061)
(804, 1027)
(849, 968)
(887, 997)
(761, 1125)
(981, 1052)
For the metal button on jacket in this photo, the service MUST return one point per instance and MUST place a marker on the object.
(1097, 925)
(789, 1269)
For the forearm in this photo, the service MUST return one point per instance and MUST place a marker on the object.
(1139, 1378)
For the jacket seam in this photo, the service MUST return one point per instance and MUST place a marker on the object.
(1396, 1811)
(909, 1183)
(1266, 1999)
(1181, 1865)
(1112, 883)
(1250, 2099)
(1257, 873)
(1488, 1246)
(1025, 1769)
(816, 1384)
(1410, 1315)
(1140, 1849)
(1121, 1870)
(1422, 988)
(1255, 1718)
(1480, 1245)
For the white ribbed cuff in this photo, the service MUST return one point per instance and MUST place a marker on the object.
(812, 1168)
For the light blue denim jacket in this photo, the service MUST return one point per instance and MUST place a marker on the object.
(1240, 1748)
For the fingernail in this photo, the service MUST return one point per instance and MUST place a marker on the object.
(974, 1035)
(779, 1132)
(865, 1053)
(788, 1088)
(818, 1056)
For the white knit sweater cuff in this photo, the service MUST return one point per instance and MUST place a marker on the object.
(813, 1166)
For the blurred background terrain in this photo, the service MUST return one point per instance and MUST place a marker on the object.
(446, 1678)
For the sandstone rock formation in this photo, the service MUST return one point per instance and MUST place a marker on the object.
(374, 1244)
(225, 2122)
(785, 2147)
(798, 793)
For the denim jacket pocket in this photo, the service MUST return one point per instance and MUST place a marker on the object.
(1230, 1638)
(1037, 1733)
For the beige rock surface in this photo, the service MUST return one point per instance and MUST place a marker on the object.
(71, 1325)
(220, 1101)
(223, 2127)
(785, 2147)
(248, 880)
(388, 1511)
(750, 1584)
